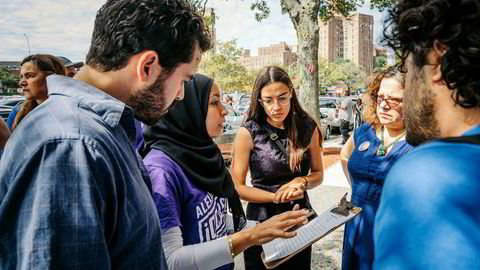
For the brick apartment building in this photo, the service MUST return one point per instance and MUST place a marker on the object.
(348, 38)
(277, 54)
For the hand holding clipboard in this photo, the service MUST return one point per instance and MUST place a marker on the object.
(280, 250)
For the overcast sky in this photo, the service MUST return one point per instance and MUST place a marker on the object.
(64, 27)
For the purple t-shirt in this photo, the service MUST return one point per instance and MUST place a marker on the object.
(200, 215)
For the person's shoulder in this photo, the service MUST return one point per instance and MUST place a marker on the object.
(442, 153)
(251, 124)
(363, 128)
(61, 119)
(158, 158)
(44, 123)
(347, 99)
(436, 165)
(159, 163)
(252, 127)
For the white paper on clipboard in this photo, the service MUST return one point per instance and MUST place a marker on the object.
(317, 228)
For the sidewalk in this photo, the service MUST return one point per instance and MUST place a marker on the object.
(327, 252)
(335, 177)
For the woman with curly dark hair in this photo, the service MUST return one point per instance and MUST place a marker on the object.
(367, 157)
(428, 217)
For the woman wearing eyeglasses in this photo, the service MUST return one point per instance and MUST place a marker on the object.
(281, 145)
(367, 157)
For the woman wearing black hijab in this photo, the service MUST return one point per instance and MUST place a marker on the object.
(193, 189)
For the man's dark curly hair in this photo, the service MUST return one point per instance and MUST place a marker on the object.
(124, 28)
(412, 26)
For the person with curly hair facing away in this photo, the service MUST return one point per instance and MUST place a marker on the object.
(34, 70)
(367, 157)
(428, 216)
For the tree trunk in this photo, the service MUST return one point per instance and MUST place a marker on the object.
(304, 15)
(349, 91)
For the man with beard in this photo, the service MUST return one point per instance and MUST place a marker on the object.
(428, 216)
(74, 194)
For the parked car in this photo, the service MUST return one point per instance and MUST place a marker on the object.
(233, 120)
(5, 111)
(243, 104)
(325, 126)
(329, 107)
(11, 102)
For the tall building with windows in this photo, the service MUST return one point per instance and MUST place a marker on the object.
(358, 40)
(348, 38)
(11, 66)
(277, 54)
(330, 42)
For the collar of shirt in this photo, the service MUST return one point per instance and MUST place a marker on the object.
(473, 131)
(110, 109)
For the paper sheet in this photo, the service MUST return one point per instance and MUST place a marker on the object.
(316, 228)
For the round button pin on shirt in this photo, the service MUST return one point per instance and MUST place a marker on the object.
(364, 146)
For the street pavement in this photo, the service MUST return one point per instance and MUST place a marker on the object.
(327, 252)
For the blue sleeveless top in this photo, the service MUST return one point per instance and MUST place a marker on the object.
(368, 172)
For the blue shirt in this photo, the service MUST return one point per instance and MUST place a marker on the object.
(13, 114)
(1, 148)
(74, 194)
(429, 216)
(367, 171)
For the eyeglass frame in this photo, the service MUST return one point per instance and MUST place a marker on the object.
(288, 97)
(378, 100)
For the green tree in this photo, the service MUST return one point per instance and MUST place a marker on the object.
(351, 74)
(380, 63)
(341, 71)
(304, 15)
(7, 79)
(328, 73)
(224, 68)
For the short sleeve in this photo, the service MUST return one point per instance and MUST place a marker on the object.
(167, 195)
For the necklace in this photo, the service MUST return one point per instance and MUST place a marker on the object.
(382, 150)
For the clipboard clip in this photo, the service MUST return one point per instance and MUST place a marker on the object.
(344, 207)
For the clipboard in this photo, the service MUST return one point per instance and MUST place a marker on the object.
(344, 210)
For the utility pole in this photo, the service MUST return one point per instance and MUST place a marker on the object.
(28, 44)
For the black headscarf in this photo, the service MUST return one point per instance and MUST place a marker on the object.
(182, 135)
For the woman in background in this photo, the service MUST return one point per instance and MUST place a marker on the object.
(367, 157)
(33, 72)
